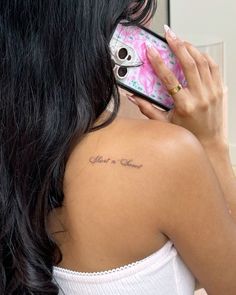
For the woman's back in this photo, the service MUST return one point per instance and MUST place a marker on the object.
(108, 198)
(109, 217)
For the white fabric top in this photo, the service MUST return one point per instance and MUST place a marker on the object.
(161, 273)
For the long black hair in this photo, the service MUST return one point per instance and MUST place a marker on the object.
(56, 79)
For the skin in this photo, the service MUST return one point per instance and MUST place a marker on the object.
(101, 193)
(117, 212)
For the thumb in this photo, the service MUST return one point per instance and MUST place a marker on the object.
(148, 109)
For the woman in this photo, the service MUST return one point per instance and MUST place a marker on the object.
(83, 191)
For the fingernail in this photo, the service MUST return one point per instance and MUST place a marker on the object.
(152, 50)
(149, 45)
(132, 99)
(170, 32)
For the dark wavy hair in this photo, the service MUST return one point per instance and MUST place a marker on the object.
(56, 79)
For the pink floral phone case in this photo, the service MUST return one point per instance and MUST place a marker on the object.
(131, 66)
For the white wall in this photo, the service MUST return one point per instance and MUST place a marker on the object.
(161, 17)
(214, 18)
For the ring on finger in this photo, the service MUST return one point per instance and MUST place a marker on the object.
(175, 90)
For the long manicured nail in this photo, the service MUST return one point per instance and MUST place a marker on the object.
(170, 32)
(152, 51)
(148, 44)
(132, 99)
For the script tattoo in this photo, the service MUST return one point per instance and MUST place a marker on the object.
(123, 162)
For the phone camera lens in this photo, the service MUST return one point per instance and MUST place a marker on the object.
(122, 53)
(122, 72)
(129, 57)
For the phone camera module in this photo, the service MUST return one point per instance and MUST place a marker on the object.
(122, 72)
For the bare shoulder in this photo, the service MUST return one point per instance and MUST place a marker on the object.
(155, 129)
(175, 159)
(157, 136)
(166, 152)
(155, 150)
(176, 165)
(137, 159)
(190, 206)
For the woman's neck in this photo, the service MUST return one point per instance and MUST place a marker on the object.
(102, 118)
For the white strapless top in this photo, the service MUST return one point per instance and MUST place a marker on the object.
(161, 273)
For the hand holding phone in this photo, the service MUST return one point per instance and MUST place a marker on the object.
(199, 106)
(132, 68)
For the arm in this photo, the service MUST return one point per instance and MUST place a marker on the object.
(194, 215)
(218, 154)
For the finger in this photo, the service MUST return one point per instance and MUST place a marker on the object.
(148, 109)
(219, 92)
(165, 74)
(163, 115)
(202, 64)
(215, 69)
(187, 62)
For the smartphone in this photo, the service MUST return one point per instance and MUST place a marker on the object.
(132, 69)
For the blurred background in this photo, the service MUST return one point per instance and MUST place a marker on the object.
(208, 23)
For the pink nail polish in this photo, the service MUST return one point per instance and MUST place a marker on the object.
(170, 32)
(131, 99)
(152, 51)
(149, 45)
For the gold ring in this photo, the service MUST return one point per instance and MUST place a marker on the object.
(175, 89)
